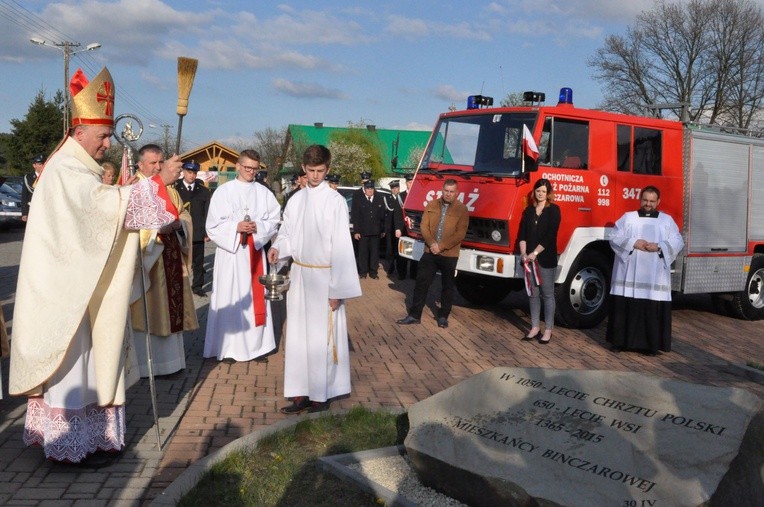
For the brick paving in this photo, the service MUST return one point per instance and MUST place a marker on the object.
(211, 404)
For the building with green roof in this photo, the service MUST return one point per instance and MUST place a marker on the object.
(399, 150)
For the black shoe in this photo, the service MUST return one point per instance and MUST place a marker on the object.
(200, 292)
(442, 322)
(229, 360)
(361, 276)
(531, 338)
(299, 405)
(261, 359)
(374, 276)
(318, 406)
(408, 319)
(99, 459)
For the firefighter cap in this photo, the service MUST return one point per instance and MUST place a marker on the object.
(191, 166)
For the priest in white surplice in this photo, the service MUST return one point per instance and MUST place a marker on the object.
(69, 347)
(315, 233)
(645, 243)
(242, 218)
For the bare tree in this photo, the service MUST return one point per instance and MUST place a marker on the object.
(270, 144)
(705, 53)
(738, 46)
(513, 99)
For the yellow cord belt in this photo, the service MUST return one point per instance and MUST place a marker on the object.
(318, 266)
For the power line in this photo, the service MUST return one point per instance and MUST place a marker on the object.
(33, 23)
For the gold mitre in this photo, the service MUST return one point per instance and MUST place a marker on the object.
(92, 102)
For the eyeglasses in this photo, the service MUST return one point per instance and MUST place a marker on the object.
(249, 167)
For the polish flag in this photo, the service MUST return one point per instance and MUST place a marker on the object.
(529, 145)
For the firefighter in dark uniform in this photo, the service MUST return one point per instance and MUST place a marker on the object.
(368, 215)
(333, 180)
(395, 230)
(406, 264)
(298, 181)
(365, 176)
(409, 180)
(197, 197)
(27, 189)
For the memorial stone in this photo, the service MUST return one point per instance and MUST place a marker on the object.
(535, 436)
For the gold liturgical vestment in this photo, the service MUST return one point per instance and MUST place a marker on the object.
(168, 289)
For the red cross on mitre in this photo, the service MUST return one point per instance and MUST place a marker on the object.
(106, 94)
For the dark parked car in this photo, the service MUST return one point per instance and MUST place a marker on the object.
(10, 206)
(15, 182)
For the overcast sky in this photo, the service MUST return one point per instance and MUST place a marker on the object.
(396, 64)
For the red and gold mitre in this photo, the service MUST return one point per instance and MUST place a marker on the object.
(92, 102)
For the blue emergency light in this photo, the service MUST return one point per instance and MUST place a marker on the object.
(566, 96)
(475, 101)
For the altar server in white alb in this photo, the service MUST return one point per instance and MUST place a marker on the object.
(645, 243)
(69, 347)
(315, 234)
(242, 218)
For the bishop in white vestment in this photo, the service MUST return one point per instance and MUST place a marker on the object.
(69, 347)
(239, 324)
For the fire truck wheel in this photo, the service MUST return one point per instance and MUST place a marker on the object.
(482, 290)
(749, 303)
(581, 301)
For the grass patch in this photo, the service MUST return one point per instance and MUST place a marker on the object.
(754, 364)
(282, 470)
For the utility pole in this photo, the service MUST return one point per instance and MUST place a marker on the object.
(165, 137)
(68, 49)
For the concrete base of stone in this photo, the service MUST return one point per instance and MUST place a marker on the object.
(471, 488)
(339, 466)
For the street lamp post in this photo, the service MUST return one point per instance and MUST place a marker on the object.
(68, 49)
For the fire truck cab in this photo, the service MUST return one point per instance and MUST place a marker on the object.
(711, 183)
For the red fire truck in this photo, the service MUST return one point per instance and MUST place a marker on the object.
(711, 182)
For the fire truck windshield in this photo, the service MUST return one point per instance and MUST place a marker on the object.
(479, 142)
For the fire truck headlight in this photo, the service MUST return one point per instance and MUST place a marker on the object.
(485, 263)
(496, 235)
